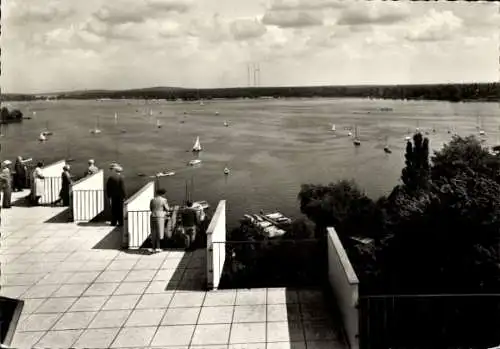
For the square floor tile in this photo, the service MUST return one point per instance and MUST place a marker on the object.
(74, 321)
(319, 331)
(32, 304)
(285, 332)
(13, 291)
(248, 333)
(89, 303)
(216, 298)
(128, 288)
(281, 296)
(146, 263)
(283, 312)
(110, 318)
(251, 297)
(55, 277)
(168, 275)
(249, 313)
(121, 302)
(161, 300)
(97, 338)
(211, 334)
(216, 315)
(74, 290)
(101, 289)
(181, 316)
(145, 317)
(157, 287)
(59, 339)
(187, 299)
(26, 339)
(288, 345)
(173, 335)
(112, 276)
(38, 322)
(247, 346)
(56, 305)
(134, 337)
(83, 277)
(140, 275)
(41, 291)
(122, 264)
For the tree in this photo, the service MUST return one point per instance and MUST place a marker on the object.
(465, 154)
(415, 175)
(341, 205)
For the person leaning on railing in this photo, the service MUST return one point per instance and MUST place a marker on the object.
(159, 215)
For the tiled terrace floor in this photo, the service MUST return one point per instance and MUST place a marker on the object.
(77, 295)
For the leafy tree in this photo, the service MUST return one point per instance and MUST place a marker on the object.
(465, 154)
(415, 175)
(341, 205)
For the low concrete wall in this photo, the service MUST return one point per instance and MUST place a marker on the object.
(137, 215)
(88, 197)
(216, 246)
(52, 182)
(345, 285)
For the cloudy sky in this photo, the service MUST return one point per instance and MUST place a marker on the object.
(57, 45)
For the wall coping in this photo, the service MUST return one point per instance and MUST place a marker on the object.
(139, 192)
(221, 208)
(350, 274)
(81, 180)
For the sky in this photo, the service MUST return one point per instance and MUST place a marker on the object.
(63, 45)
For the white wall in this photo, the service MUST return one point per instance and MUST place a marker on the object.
(216, 247)
(137, 217)
(53, 181)
(88, 197)
(345, 284)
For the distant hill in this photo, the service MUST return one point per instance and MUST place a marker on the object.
(444, 92)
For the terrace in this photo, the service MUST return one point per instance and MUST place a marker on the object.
(82, 290)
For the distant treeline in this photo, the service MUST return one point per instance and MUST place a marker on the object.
(441, 92)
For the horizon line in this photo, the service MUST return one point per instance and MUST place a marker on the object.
(239, 87)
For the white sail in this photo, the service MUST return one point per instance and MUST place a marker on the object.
(150, 112)
(197, 145)
(334, 128)
(116, 117)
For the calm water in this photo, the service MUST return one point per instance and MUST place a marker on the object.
(271, 146)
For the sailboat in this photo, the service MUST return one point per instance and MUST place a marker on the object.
(150, 112)
(42, 137)
(481, 129)
(46, 132)
(334, 128)
(197, 145)
(158, 124)
(226, 170)
(356, 140)
(116, 118)
(386, 147)
(216, 113)
(226, 123)
(96, 130)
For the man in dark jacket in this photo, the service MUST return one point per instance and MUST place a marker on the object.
(189, 217)
(115, 191)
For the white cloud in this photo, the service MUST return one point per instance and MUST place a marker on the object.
(435, 26)
(306, 4)
(244, 29)
(23, 13)
(292, 19)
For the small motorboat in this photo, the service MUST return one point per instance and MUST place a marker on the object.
(226, 171)
(349, 134)
(226, 124)
(482, 133)
(357, 142)
(42, 137)
(164, 174)
(95, 131)
(185, 112)
(194, 162)
(216, 113)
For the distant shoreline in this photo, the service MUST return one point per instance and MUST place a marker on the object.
(477, 92)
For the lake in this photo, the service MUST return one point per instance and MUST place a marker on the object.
(271, 146)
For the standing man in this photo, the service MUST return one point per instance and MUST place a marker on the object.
(7, 187)
(189, 217)
(20, 170)
(92, 168)
(115, 190)
(67, 182)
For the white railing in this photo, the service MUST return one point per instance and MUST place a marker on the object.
(53, 182)
(345, 285)
(216, 247)
(88, 197)
(137, 215)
